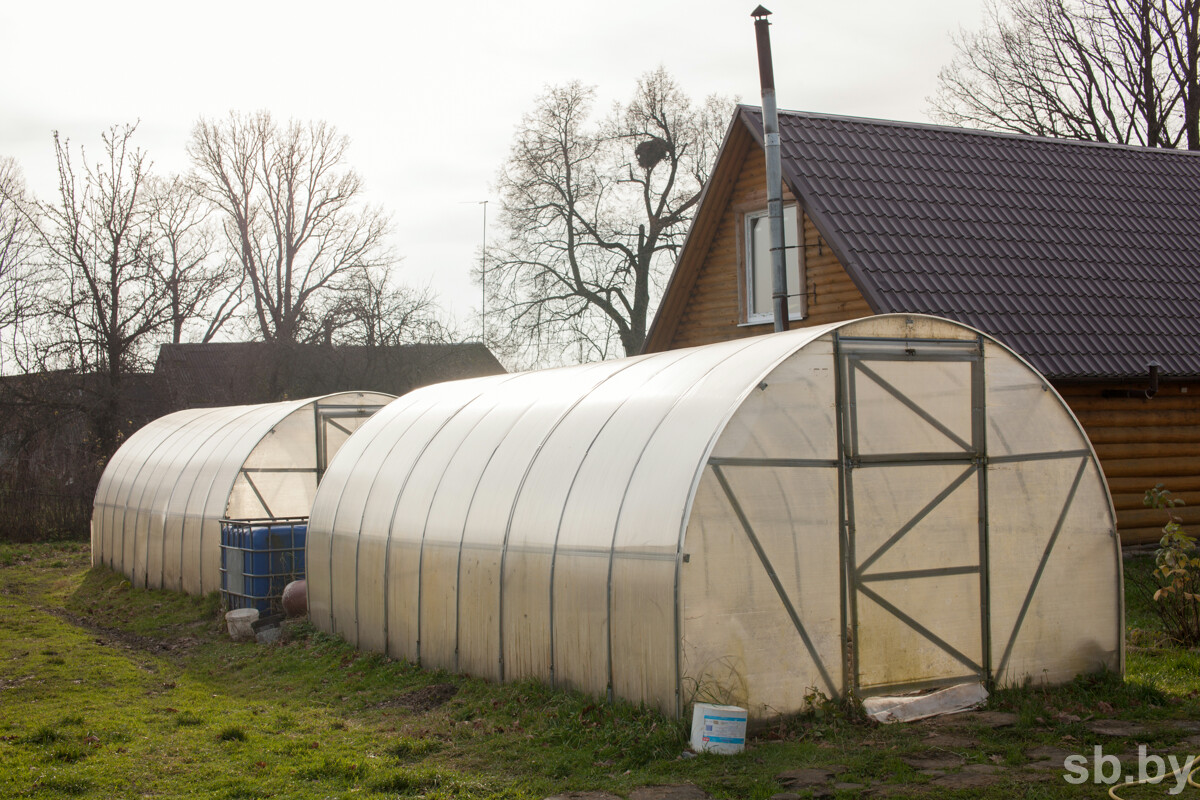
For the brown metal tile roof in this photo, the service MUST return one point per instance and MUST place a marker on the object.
(1083, 257)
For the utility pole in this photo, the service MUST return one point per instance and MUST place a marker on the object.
(482, 271)
(483, 279)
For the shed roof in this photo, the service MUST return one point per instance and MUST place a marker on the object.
(226, 373)
(1083, 257)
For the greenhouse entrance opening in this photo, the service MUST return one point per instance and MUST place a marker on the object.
(912, 427)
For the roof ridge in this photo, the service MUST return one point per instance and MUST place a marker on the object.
(932, 126)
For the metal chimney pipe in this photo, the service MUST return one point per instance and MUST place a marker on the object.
(766, 75)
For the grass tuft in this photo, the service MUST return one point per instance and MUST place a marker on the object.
(232, 734)
(43, 735)
(406, 747)
(332, 768)
(410, 781)
(68, 754)
(71, 786)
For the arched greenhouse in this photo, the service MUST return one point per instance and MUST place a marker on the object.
(871, 507)
(163, 493)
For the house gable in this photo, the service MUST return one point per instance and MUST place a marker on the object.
(706, 299)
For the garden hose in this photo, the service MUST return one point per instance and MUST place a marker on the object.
(1191, 779)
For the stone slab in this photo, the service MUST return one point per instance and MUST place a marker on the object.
(680, 791)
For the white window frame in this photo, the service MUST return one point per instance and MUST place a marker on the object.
(793, 241)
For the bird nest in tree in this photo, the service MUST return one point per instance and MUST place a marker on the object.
(650, 152)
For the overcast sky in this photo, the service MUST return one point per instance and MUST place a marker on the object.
(430, 93)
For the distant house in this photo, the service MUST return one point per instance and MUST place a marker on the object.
(1082, 257)
(233, 373)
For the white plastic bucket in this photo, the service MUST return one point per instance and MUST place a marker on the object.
(240, 622)
(718, 729)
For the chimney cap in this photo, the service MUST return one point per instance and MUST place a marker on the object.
(760, 12)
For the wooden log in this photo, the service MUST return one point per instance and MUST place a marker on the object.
(1139, 535)
(1150, 517)
(1144, 433)
(1144, 449)
(1138, 467)
(830, 278)
(723, 251)
(831, 272)
(825, 261)
(838, 316)
(1182, 402)
(1177, 483)
(1120, 419)
(696, 336)
(716, 275)
(831, 286)
(841, 297)
(704, 305)
(1133, 500)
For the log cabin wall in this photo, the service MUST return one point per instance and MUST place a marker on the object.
(715, 309)
(1142, 442)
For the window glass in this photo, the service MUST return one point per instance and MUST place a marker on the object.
(759, 258)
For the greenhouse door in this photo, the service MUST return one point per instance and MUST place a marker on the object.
(914, 545)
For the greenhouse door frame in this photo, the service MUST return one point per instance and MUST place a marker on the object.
(326, 416)
(853, 358)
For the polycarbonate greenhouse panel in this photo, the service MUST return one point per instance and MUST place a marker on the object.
(219, 457)
(1056, 592)
(537, 541)
(347, 515)
(182, 562)
(870, 507)
(358, 506)
(129, 471)
(162, 493)
(738, 655)
(162, 471)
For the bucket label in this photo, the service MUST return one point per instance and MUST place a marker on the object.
(724, 730)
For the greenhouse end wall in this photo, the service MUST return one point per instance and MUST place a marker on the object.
(864, 507)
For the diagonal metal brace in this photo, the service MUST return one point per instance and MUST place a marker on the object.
(920, 515)
(908, 402)
(1037, 577)
(766, 562)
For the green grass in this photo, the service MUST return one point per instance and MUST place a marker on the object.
(111, 691)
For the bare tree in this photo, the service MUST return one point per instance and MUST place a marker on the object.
(198, 280)
(376, 312)
(100, 302)
(289, 210)
(17, 248)
(1121, 71)
(593, 216)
